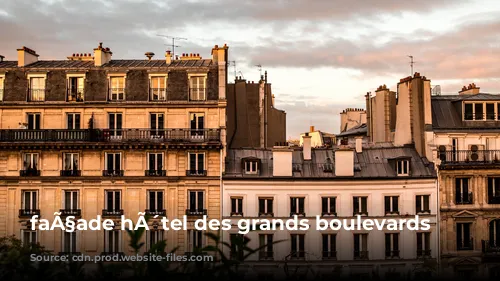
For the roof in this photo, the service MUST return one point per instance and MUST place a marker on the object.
(357, 130)
(131, 63)
(372, 163)
(447, 113)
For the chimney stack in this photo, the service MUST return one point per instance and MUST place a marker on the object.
(359, 144)
(26, 56)
(282, 161)
(102, 55)
(1, 58)
(311, 129)
(471, 89)
(149, 55)
(168, 57)
(306, 146)
(344, 163)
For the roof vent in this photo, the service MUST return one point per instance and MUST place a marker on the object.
(149, 55)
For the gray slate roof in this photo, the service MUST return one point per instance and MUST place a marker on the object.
(372, 163)
(137, 63)
(358, 130)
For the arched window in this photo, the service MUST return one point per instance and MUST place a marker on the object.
(494, 233)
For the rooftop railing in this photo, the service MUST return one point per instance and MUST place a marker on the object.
(469, 157)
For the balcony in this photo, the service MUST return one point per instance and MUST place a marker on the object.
(361, 213)
(196, 94)
(155, 173)
(56, 135)
(422, 254)
(298, 255)
(494, 200)
(328, 214)
(36, 95)
(361, 255)
(196, 212)
(464, 199)
(266, 214)
(161, 213)
(71, 173)
(266, 255)
(71, 212)
(28, 213)
(391, 213)
(329, 255)
(75, 95)
(423, 212)
(394, 254)
(465, 245)
(112, 173)
(299, 214)
(158, 94)
(490, 250)
(469, 158)
(196, 173)
(236, 214)
(112, 213)
(29, 173)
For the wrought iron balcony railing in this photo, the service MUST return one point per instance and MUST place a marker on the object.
(112, 213)
(469, 157)
(196, 212)
(112, 173)
(71, 173)
(197, 94)
(394, 254)
(299, 214)
(29, 173)
(424, 253)
(328, 214)
(36, 94)
(266, 214)
(112, 135)
(329, 255)
(158, 212)
(360, 255)
(464, 199)
(71, 212)
(490, 247)
(158, 94)
(361, 213)
(196, 173)
(236, 214)
(155, 173)
(24, 213)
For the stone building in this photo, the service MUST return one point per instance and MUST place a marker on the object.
(92, 135)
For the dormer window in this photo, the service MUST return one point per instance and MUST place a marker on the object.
(251, 167)
(75, 87)
(403, 167)
(197, 87)
(158, 88)
(481, 111)
(36, 91)
(116, 88)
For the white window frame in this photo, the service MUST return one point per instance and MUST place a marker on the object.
(197, 198)
(32, 156)
(297, 204)
(425, 247)
(32, 233)
(113, 191)
(236, 208)
(72, 156)
(157, 208)
(403, 167)
(115, 133)
(33, 204)
(156, 161)
(34, 114)
(68, 86)
(73, 193)
(360, 203)
(111, 93)
(74, 114)
(328, 204)
(196, 163)
(266, 199)
(199, 95)
(44, 82)
(117, 234)
(72, 236)
(158, 234)
(298, 236)
(422, 201)
(391, 203)
(157, 118)
(192, 239)
(162, 96)
(250, 169)
(114, 164)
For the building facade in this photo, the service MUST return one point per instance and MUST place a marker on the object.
(92, 135)
(376, 182)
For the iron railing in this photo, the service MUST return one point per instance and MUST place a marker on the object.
(196, 173)
(197, 94)
(360, 255)
(71, 212)
(329, 255)
(392, 254)
(155, 173)
(158, 94)
(150, 212)
(75, 94)
(424, 253)
(469, 157)
(112, 213)
(196, 212)
(112, 173)
(23, 213)
(490, 247)
(266, 255)
(464, 199)
(467, 244)
(62, 135)
(29, 173)
(36, 95)
(71, 173)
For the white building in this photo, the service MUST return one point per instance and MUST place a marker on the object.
(377, 182)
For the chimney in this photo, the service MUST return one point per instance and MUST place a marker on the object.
(149, 55)
(282, 161)
(186, 56)
(1, 58)
(311, 129)
(471, 89)
(359, 144)
(102, 55)
(344, 162)
(219, 54)
(26, 56)
(306, 146)
(168, 57)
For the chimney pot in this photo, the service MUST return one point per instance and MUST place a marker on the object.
(311, 129)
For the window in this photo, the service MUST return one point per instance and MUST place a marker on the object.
(30, 164)
(490, 111)
(454, 148)
(195, 240)
(493, 190)
(360, 246)
(113, 164)
(153, 237)
(236, 206)
(73, 121)
(462, 192)
(155, 165)
(422, 204)
(112, 241)
(464, 236)
(116, 88)
(297, 206)
(297, 246)
(498, 111)
(33, 121)
(30, 200)
(75, 88)
(360, 205)
(70, 199)
(251, 167)
(115, 124)
(2, 79)
(196, 202)
(329, 246)
(391, 205)
(197, 88)
(266, 247)
(197, 124)
(423, 244)
(70, 165)
(329, 206)
(391, 245)
(157, 123)
(468, 112)
(36, 89)
(266, 207)
(196, 164)
(494, 235)
(237, 246)
(478, 111)
(69, 242)
(29, 237)
(403, 167)
(155, 202)
(158, 88)
(113, 201)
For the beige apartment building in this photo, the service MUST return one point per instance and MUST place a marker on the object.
(92, 135)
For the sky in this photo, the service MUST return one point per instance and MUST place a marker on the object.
(321, 56)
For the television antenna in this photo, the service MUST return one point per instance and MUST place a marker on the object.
(241, 73)
(411, 64)
(173, 42)
(260, 69)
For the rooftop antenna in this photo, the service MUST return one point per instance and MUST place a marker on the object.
(411, 64)
(173, 41)
(241, 74)
(260, 69)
